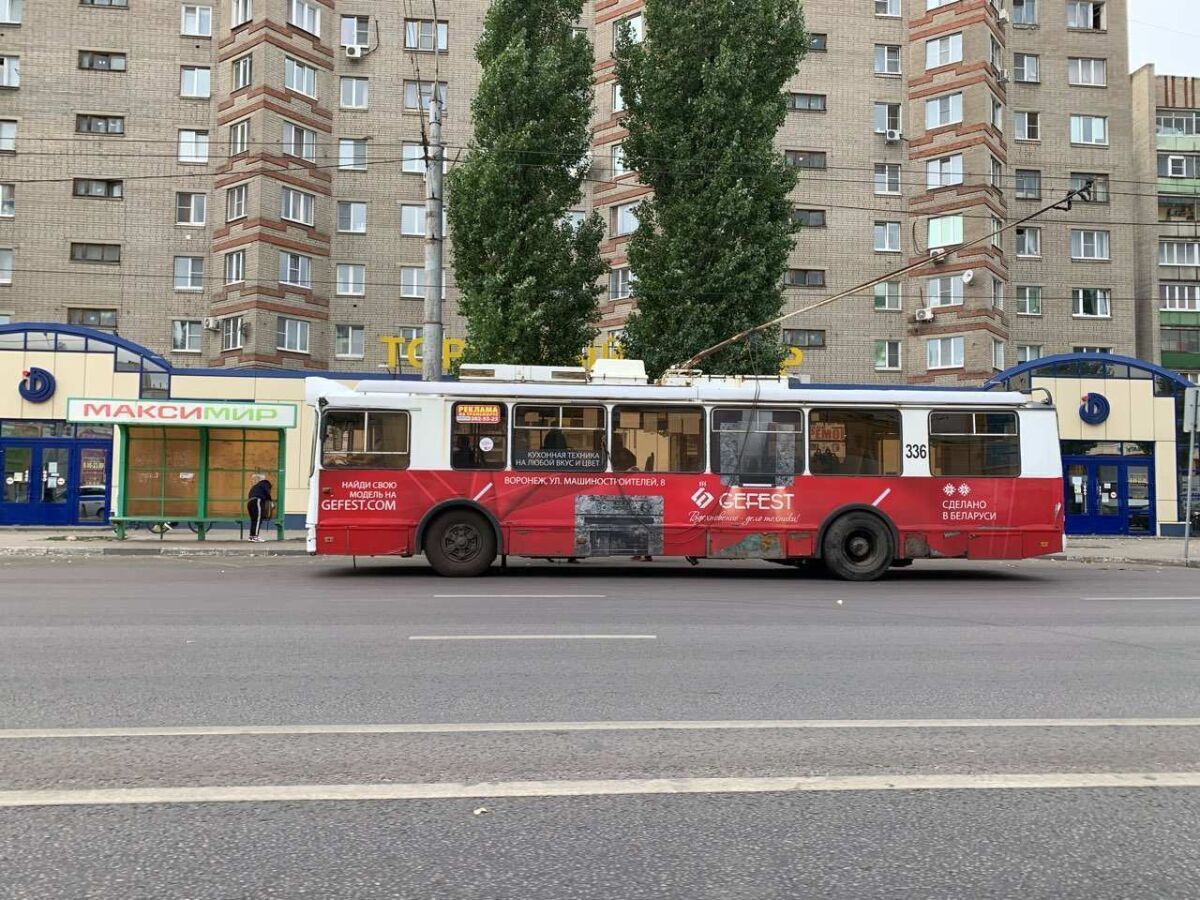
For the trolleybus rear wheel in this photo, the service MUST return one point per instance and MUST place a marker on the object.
(858, 547)
(460, 544)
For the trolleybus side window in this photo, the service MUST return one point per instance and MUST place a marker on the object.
(981, 444)
(479, 436)
(854, 442)
(365, 440)
(658, 439)
(758, 446)
(552, 437)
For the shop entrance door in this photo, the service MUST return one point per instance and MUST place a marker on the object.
(1109, 496)
(54, 483)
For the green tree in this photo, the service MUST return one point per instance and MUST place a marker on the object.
(529, 276)
(704, 94)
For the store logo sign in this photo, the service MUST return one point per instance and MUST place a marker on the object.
(1095, 409)
(183, 412)
(37, 386)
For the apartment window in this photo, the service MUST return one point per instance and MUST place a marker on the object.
(89, 124)
(1027, 68)
(805, 159)
(413, 159)
(995, 53)
(887, 296)
(887, 59)
(617, 157)
(354, 93)
(10, 71)
(1179, 297)
(804, 278)
(10, 12)
(190, 208)
(96, 253)
(997, 355)
(352, 217)
(942, 111)
(806, 102)
(197, 21)
(193, 146)
(887, 178)
(997, 119)
(618, 99)
(189, 273)
(817, 42)
(352, 154)
(887, 237)
(945, 291)
(295, 269)
(804, 337)
(625, 218)
(1091, 349)
(419, 94)
(297, 206)
(1024, 12)
(235, 267)
(1099, 186)
(1089, 245)
(620, 283)
(944, 353)
(1179, 253)
(235, 202)
(1089, 130)
(100, 319)
(887, 7)
(239, 138)
(635, 25)
(934, 4)
(195, 81)
(243, 72)
(8, 201)
(349, 342)
(291, 335)
(944, 172)
(356, 31)
(887, 117)
(412, 281)
(995, 226)
(241, 12)
(1028, 352)
(306, 15)
(1086, 14)
(98, 188)
(412, 220)
(1028, 126)
(1087, 72)
(425, 34)
(186, 336)
(231, 333)
(98, 61)
(299, 77)
(887, 356)
(1177, 209)
(1028, 184)
(1181, 340)
(299, 142)
(1029, 241)
(809, 218)
(1173, 166)
(1029, 300)
(1178, 122)
(943, 51)
(945, 231)
(6, 266)
(351, 279)
(1091, 303)
(8, 136)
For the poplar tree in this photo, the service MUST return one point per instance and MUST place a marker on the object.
(704, 99)
(528, 273)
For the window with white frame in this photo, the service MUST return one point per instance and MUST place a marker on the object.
(1087, 71)
(305, 14)
(6, 265)
(625, 220)
(888, 8)
(934, 4)
(189, 273)
(997, 117)
(413, 159)
(231, 333)
(1029, 241)
(354, 92)
(1029, 300)
(620, 283)
(8, 201)
(299, 142)
(1027, 68)
(995, 172)
(10, 12)
(1089, 130)
(1028, 184)
(8, 136)
(299, 77)
(197, 21)
(997, 354)
(1028, 352)
(1088, 244)
(10, 71)
(1028, 126)
(1024, 12)
(945, 231)
(240, 12)
(297, 206)
(1091, 349)
(243, 72)
(618, 99)
(190, 208)
(235, 202)
(193, 146)
(349, 342)
(994, 230)
(634, 25)
(886, 117)
(942, 51)
(426, 34)
(239, 138)
(1179, 297)
(1088, 15)
(887, 237)
(351, 279)
(1179, 253)
(356, 31)
(412, 282)
(944, 172)
(997, 294)
(235, 267)
(942, 111)
(419, 94)
(352, 154)
(1091, 303)
(412, 220)
(103, 61)
(802, 102)
(619, 166)
(186, 336)
(887, 356)
(887, 178)
(887, 59)
(887, 297)
(944, 353)
(295, 269)
(946, 290)
(195, 81)
(291, 335)
(352, 217)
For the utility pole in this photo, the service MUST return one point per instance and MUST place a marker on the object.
(1191, 424)
(431, 333)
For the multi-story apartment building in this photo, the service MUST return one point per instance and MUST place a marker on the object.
(1166, 128)
(254, 167)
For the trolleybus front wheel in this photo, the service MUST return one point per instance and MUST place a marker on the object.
(858, 547)
(460, 544)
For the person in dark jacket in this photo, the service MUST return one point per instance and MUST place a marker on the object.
(256, 505)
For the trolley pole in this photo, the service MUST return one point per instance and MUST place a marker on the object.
(431, 333)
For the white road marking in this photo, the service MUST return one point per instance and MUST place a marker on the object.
(292, 793)
(537, 727)
(882, 497)
(1142, 598)
(487, 487)
(520, 596)
(533, 637)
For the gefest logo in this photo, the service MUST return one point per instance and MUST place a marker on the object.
(738, 499)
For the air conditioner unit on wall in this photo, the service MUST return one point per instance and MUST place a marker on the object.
(924, 314)
(355, 51)
(212, 324)
(892, 135)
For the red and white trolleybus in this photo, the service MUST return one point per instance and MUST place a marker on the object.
(553, 463)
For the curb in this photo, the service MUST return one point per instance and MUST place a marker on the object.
(84, 552)
(1127, 561)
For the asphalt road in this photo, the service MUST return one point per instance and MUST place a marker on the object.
(223, 728)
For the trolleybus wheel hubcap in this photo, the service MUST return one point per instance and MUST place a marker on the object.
(859, 547)
(461, 542)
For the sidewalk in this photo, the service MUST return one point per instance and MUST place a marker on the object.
(1133, 551)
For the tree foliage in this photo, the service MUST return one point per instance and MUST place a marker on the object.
(528, 276)
(704, 94)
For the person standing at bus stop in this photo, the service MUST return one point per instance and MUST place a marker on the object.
(258, 505)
